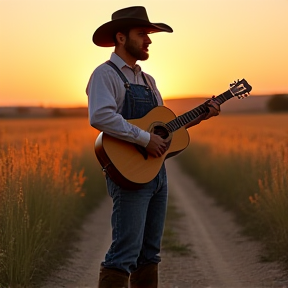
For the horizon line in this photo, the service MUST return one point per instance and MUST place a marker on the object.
(75, 106)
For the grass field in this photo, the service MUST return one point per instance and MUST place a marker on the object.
(49, 181)
(242, 160)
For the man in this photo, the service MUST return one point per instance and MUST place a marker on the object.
(119, 90)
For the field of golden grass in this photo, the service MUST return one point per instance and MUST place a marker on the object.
(50, 180)
(242, 160)
(48, 184)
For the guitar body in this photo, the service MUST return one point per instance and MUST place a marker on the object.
(122, 160)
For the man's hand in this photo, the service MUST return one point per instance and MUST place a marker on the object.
(156, 146)
(214, 108)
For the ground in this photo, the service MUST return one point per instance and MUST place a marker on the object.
(221, 257)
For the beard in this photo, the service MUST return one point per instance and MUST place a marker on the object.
(133, 49)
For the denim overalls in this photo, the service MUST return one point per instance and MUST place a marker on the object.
(138, 215)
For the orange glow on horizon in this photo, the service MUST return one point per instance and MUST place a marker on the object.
(48, 55)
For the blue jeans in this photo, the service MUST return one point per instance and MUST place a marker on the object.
(137, 224)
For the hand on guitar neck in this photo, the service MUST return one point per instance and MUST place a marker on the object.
(213, 109)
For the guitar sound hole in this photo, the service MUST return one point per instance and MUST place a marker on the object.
(161, 131)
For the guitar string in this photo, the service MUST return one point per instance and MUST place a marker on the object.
(187, 117)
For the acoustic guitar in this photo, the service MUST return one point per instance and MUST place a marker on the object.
(129, 165)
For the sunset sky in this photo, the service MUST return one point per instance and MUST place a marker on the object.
(47, 53)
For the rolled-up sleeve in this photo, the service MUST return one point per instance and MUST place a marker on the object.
(104, 105)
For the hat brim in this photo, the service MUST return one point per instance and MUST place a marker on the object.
(103, 36)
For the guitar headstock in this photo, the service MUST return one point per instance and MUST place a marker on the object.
(240, 88)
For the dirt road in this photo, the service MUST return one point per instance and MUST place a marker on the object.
(221, 257)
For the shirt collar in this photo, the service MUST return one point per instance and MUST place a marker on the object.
(120, 63)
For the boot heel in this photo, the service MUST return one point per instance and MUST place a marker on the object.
(112, 278)
(145, 277)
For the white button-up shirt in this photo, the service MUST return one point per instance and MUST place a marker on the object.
(106, 95)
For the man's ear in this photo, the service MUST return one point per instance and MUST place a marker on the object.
(121, 38)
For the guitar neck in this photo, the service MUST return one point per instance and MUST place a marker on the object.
(189, 116)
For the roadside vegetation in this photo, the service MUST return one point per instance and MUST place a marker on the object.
(243, 162)
(49, 182)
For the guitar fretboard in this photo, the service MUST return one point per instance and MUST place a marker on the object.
(189, 116)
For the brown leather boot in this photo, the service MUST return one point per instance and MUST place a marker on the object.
(145, 277)
(113, 278)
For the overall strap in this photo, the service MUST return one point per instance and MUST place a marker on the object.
(148, 83)
(122, 76)
(145, 80)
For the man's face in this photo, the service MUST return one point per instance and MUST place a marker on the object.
(137, 43)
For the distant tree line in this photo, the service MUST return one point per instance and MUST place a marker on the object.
(69, 112)
(278, 103)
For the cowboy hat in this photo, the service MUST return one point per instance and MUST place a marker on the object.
(128, 17)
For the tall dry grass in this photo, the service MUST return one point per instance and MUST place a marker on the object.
(242, 160)
(48, 183)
